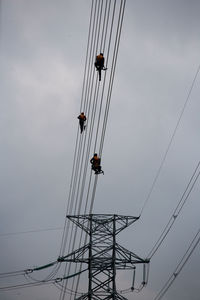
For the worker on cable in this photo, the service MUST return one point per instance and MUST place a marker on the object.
(99, 64)
(96, 164)
(82, 118)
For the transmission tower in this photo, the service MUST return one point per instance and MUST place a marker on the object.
(104, 255)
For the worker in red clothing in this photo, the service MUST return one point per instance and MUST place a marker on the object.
(82, 118)
(96, 164)
(99, 64)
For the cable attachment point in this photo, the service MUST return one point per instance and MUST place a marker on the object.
(28, 271)
(60, 259)
(58, 280)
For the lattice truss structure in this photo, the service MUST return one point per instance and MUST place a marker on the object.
(103, 255)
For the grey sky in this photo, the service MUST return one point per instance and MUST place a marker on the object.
(42, 50)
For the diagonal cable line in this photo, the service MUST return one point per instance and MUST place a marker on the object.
(29, 231)
(177, 210)
(116, 49)
(97, 34)
(91, 127)
(95, 184)
(78, 161)
(171, 140)
(92, 16)
(93, 194)
(40, 282)
(180, 266)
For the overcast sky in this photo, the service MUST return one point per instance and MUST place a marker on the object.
(42, 56)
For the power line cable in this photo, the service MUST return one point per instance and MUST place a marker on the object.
(73, 181)
(83, 152)
(63, 293)
(172, 219)
(59, 286)
(86, 60)
(116, 49)
(27, 271)
(87, 151)
(180, 266)
(95, 184)
(94, 188)
(171, 140)
(30, 231)
(177, 210)
(11, 274)
(82, 98)
(40, 282)
(92, 53)
(109, 44)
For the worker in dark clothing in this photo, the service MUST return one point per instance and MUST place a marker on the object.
(96, 164)
(82, 118)
(99, 64)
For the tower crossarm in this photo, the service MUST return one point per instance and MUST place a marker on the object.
(125, 257)
(75, 256)
(102, 222)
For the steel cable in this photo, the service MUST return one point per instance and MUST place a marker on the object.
(116, 49)
(92, 16)
(62, 294)
(171, 140)
(78, 165)
(177, 210)
(180, 266)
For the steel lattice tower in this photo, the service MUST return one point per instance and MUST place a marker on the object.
(104, 255)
